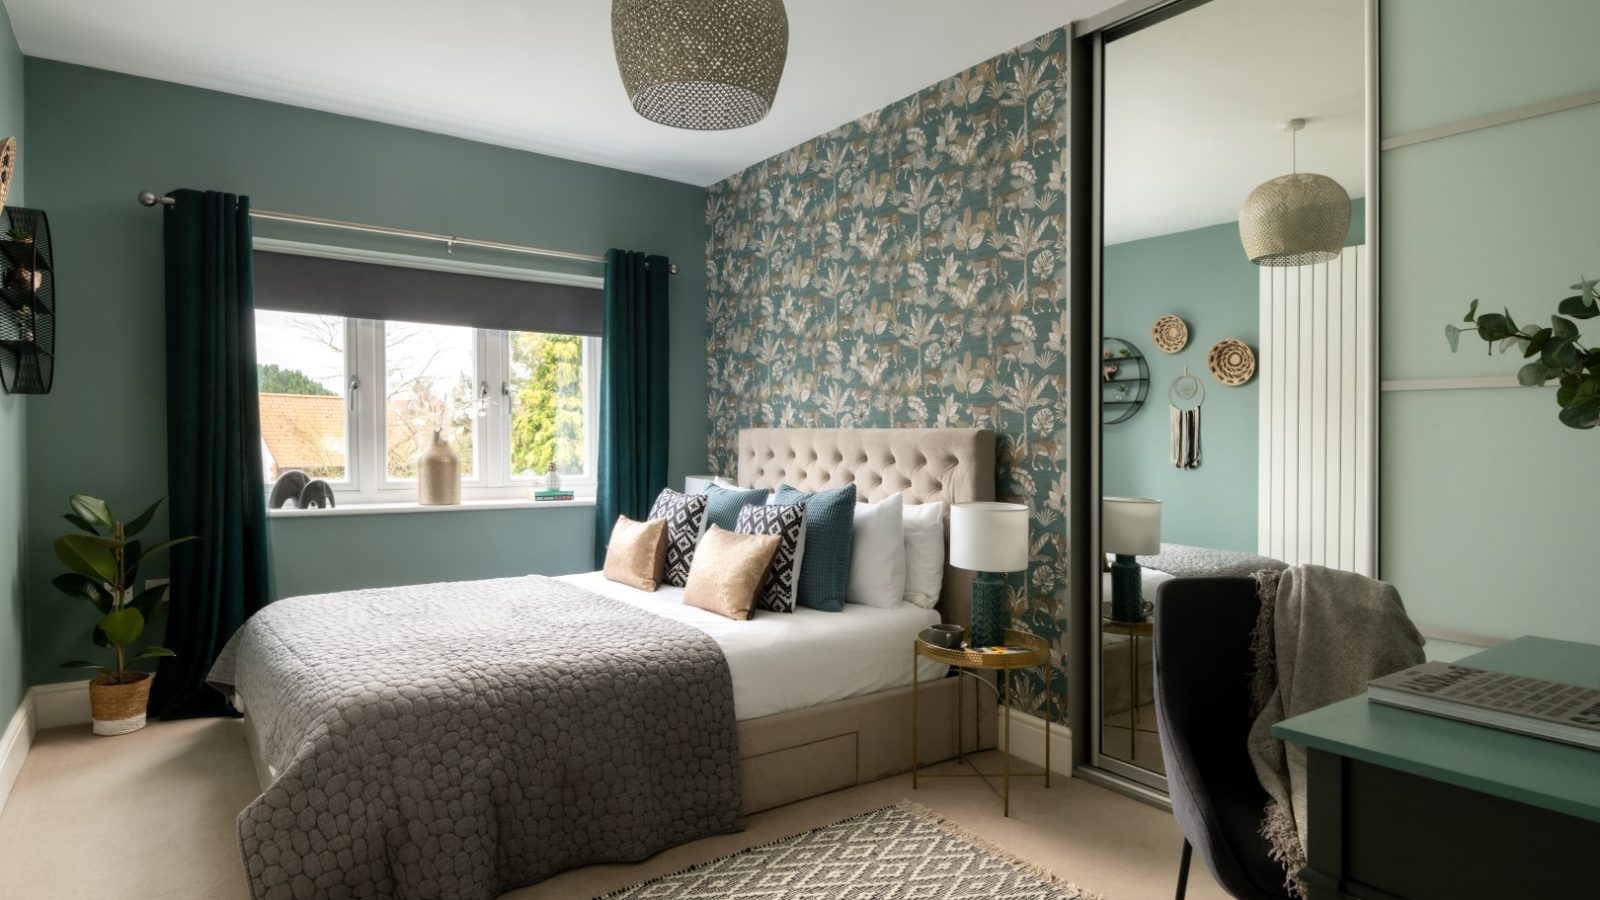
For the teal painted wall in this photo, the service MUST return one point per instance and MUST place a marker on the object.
(13, 425)
(1203, 277)
(1486, 507)
(98, 138)
(417, 548)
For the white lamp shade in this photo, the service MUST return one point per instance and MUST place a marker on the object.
(989, 537)
(1130, 526)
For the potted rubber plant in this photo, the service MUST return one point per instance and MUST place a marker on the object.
(104, 556)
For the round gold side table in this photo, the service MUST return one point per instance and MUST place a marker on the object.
(1133, 631)
(1026, 652)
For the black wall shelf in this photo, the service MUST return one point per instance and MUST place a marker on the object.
(27, 302)
(1123, 391)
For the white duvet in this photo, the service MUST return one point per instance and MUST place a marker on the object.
(788, 661)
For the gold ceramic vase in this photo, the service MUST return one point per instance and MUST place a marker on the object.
(439, 474)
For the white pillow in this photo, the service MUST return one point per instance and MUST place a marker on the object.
(924, 527)
(878, 555)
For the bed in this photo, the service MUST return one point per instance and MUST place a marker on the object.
(817, 701)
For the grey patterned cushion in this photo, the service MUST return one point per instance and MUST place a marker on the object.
(723, 504)
(830, 538)
(686, 518)
(783, 578)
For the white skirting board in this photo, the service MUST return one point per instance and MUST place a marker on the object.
(43, 706)
(14, 747)
(1027, 736)
(55, 705)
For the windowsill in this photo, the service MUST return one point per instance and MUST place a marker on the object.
(377, 509)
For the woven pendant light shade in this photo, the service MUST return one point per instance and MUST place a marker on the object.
(1294, 220)
(701, 64)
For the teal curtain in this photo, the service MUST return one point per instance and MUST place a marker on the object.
(633, 392)
(214, 470)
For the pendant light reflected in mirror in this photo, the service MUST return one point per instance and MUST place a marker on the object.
(1296, 219)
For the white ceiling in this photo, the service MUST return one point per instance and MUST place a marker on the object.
(533, 74)
(1194, 107)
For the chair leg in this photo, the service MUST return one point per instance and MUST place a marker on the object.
(1183, 869)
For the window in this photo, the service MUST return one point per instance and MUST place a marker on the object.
(430, 380)
(548, 418)
(355, 401)
(304, 384)
(365, 355)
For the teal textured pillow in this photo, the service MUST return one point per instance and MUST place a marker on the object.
(830, 536)
(723, 505)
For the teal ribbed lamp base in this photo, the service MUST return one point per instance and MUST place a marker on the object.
(1127, 600)
(990, 613)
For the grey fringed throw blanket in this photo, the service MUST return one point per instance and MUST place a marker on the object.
(457, 740)
(1322, 635)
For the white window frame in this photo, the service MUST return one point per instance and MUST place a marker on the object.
(366, 471)
(349, 484)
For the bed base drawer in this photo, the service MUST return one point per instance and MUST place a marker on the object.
(809, 752)
(784, 776)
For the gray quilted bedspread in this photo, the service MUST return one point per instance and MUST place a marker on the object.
(1184, 561)
(457, 740)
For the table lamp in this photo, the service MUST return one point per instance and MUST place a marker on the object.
(1129, 527)
(989, 538)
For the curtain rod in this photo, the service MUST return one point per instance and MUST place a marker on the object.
(151, 198)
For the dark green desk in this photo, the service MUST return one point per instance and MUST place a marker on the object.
(1406, 805)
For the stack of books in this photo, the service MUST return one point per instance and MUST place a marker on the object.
(552, 495)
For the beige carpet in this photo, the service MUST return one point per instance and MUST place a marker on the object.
(1145, 750)
(150, 816)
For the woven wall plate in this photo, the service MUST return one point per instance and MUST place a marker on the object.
(1170, 333)
(8, 162)
(1231, 362)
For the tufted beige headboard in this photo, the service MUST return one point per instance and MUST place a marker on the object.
(955, 465)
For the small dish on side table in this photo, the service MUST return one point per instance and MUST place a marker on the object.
(948, 637)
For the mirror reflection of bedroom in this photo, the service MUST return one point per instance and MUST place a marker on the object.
(1228, 433)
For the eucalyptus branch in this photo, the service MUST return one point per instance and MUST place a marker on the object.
(1560, 353)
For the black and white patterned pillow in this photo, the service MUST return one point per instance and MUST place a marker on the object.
(685, 515)
(788, 522)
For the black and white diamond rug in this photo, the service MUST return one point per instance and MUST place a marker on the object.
(901, 852)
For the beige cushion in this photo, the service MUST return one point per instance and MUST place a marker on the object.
(727, 571)
(637, 553)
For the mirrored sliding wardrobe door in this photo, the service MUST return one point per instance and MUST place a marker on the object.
(1235, 339)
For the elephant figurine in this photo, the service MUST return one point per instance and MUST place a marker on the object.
(287, 488)
(316, 495)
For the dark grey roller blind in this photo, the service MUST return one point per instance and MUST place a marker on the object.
(362, 290)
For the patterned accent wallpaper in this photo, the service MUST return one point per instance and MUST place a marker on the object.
(908, 269)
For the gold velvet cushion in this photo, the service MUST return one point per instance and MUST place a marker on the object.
(728, 570)
(637, 553)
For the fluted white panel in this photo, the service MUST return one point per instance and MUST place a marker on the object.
(1316, 441)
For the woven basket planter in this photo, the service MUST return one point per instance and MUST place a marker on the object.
(119, 708)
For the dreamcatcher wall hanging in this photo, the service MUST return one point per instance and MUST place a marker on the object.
(1186, 394)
